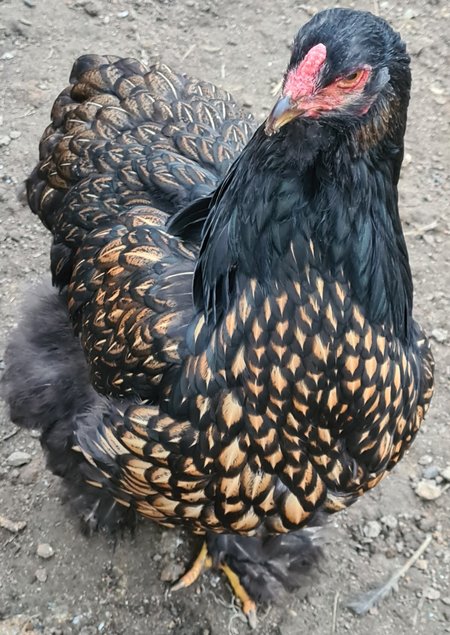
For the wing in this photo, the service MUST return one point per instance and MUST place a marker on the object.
(123, 136)
(126, 149)
(130, 298)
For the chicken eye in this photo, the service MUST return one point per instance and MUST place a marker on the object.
(351, 80)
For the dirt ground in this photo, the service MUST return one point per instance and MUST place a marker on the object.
(92, 586)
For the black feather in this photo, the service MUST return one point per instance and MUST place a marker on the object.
(47, 387)
(269, 567)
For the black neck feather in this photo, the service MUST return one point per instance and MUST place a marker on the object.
(310, 182)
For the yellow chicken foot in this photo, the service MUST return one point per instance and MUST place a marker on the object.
(204, 561)
(248, 605)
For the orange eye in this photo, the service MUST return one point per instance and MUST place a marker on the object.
(351, 80)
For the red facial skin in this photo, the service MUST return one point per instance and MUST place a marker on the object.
(301, 80)
(301, 86)
(302, 96)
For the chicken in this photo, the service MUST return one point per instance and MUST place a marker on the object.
(232, 348)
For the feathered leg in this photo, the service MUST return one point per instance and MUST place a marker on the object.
(258, 569)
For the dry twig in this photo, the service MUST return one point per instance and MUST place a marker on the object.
(364, 602)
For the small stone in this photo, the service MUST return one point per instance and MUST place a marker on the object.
(171, 572)
(431, 472)
(122, 14)
(18, 458)
(41, 575)
(372, 529)
(389, 521)
(15, 134)
(445, 473)
(431, 594)
(436, 89)
(440, 335)
(426, 459)
(5, 140)
(92, 9)
(45, 551)
(428, 490)
(446, 600)
(407, 159)
(428, 523)
(422, 564)
(13, 526)
(31, 472)
(8, 55)
(409, 14)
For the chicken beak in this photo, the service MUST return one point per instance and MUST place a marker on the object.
(282, 113)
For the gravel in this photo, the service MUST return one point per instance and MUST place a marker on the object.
(45, 551)
(18, 458)
(428, 490)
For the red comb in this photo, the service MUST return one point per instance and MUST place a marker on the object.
(301, 80)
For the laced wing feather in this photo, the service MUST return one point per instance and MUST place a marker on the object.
(122, 135)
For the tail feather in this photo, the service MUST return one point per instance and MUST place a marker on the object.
(42, 360)
(47, 387)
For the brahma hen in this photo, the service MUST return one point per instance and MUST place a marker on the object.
(243, 357)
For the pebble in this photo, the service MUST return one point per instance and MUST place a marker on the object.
(428, 523)
(445, 473)
(407, 159)
(426, 459)
(171, 572)
(422, 564)
(431, 472)
(45, 551)
(92, 9)
(15, 134)
(437, 89)
(5, 140)
(31, 472)
(440, 335)
(410, 13)
(8, 55)
(428, 490)
(389, 521)
(18, 458)
(41, 575)
(431, 594)
(446, 600)
(13, 526)
(372, 529)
